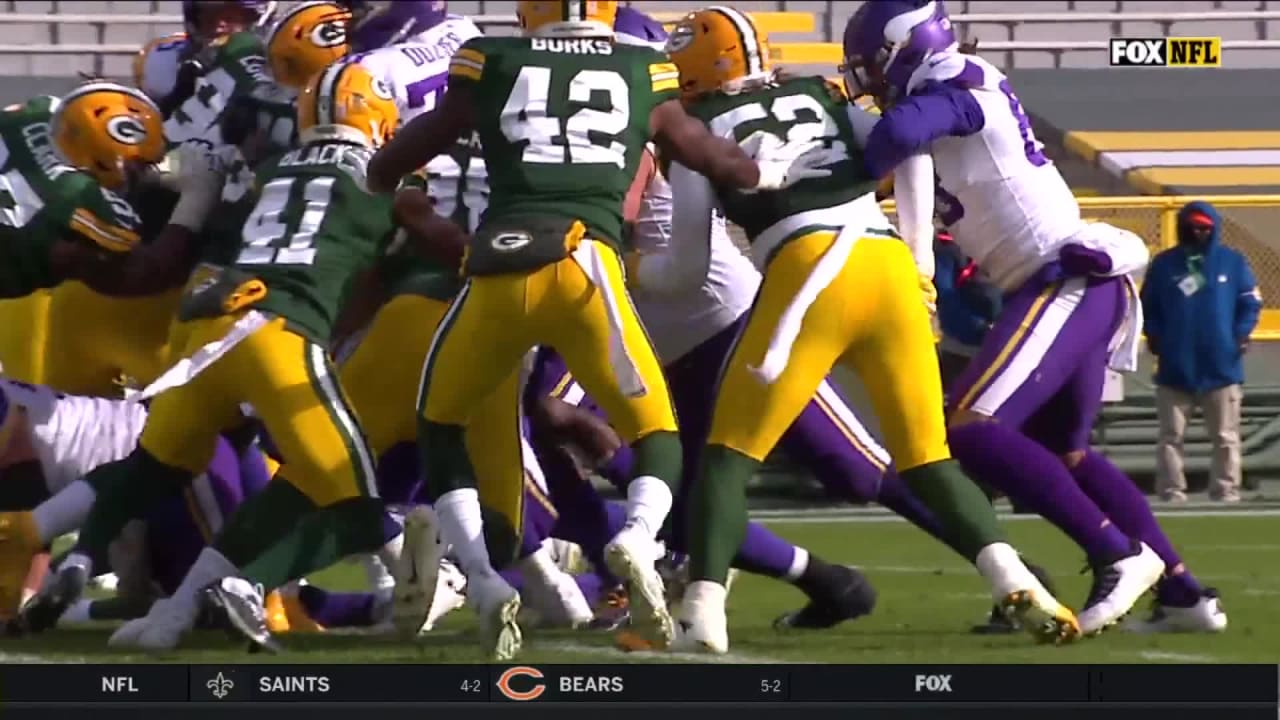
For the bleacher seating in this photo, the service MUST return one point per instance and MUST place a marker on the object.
(1029, 34)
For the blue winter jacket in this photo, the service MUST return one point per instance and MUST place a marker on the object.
(1197, 337)
(966, 305)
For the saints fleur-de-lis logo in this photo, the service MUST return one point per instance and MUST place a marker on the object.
(220, 686)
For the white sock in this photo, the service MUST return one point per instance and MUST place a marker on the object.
(210, 566)
(540, 564)
(65, 511)
(462, 528)
(705, 593)
(75, 559)
(648, 502)
(799, 563)
(1004, 570)
(77, 614)
(390, 553)
(376, 572)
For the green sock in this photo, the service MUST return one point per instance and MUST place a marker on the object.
(968, 521)
(445, 463)
(718, 523)
(262, 520)
(659, 455)
(125, 490)
(322, 538)
(500, 537)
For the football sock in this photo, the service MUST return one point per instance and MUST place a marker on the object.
(317, 540)
(443, 451)
(462, 529)
(967, 520)
(125, 490)
(657, 455)
(254, 474)
(1023, 469)
(262, 520)
(764, 553)
(894, 495)
(65, 511)
(648, 502)
(1117, 495)
(718, 505)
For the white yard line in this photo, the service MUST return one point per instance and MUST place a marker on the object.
(789, 517)
(1178, 657)
(658, 657)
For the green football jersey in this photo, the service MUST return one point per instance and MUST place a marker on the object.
(233, 65)
(43, 200)
(566, 120)
(314, 227)
(798, 109)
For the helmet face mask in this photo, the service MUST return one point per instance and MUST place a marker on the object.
(207, 21)
(887, 41)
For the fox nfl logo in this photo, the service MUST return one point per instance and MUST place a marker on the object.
(1166, 52)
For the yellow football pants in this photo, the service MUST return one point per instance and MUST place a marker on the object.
(24, 325)
(93, 339)
(381, 378)
(290, 382)
(871, 317)
(496, 319)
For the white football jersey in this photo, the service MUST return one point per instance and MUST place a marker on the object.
(417, 71)
(73, 435)
(1003, 200)
(679, 323)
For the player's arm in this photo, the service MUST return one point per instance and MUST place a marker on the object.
(432, 235)
(934, 111)
(434, 132)
(687, 258)
(913, 189)
(687, 141)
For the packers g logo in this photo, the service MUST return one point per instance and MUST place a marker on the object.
(510, 242)
(521, 671)
(382, 89)
(329, 34)
(126, 129)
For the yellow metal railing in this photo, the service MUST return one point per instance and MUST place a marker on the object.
(1249, 223)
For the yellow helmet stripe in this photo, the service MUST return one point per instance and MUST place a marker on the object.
(327, 92)
(747, 34)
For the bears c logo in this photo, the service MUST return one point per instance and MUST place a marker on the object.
(505, 683)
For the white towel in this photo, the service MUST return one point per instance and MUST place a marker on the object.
(186, 369)
(822, 275)
(587, 255)
(1124, 344)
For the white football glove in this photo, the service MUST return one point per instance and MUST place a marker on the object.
(197, 172)
(783, 164)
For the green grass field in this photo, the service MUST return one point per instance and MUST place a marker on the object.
(928, 600)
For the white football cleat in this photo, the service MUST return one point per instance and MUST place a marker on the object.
(1206, 616)
(704, 626)
(450, 594)
(632, 556)
(557, 600)
(417, 572)
(498, 605)
(1118, 587)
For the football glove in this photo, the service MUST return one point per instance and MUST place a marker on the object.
(784, 164)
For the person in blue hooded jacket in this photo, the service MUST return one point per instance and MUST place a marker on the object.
(1201, 303)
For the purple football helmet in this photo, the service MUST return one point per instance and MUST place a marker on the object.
(380, 24)
(191, 10)
(887, 40)
(638, 26)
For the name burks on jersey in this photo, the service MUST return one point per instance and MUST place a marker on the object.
(573, 46)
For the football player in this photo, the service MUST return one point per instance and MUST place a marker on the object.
(543, 267)
(259, 331)
(1022, 411)
(49, 439)
(839, 285)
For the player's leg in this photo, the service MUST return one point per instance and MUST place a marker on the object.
(1051, 332)
(894, 355)
(478, 345)
(577, 322)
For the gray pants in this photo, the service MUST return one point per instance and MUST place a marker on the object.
(1221, 410)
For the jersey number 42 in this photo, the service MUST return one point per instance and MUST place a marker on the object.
(525, 117)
